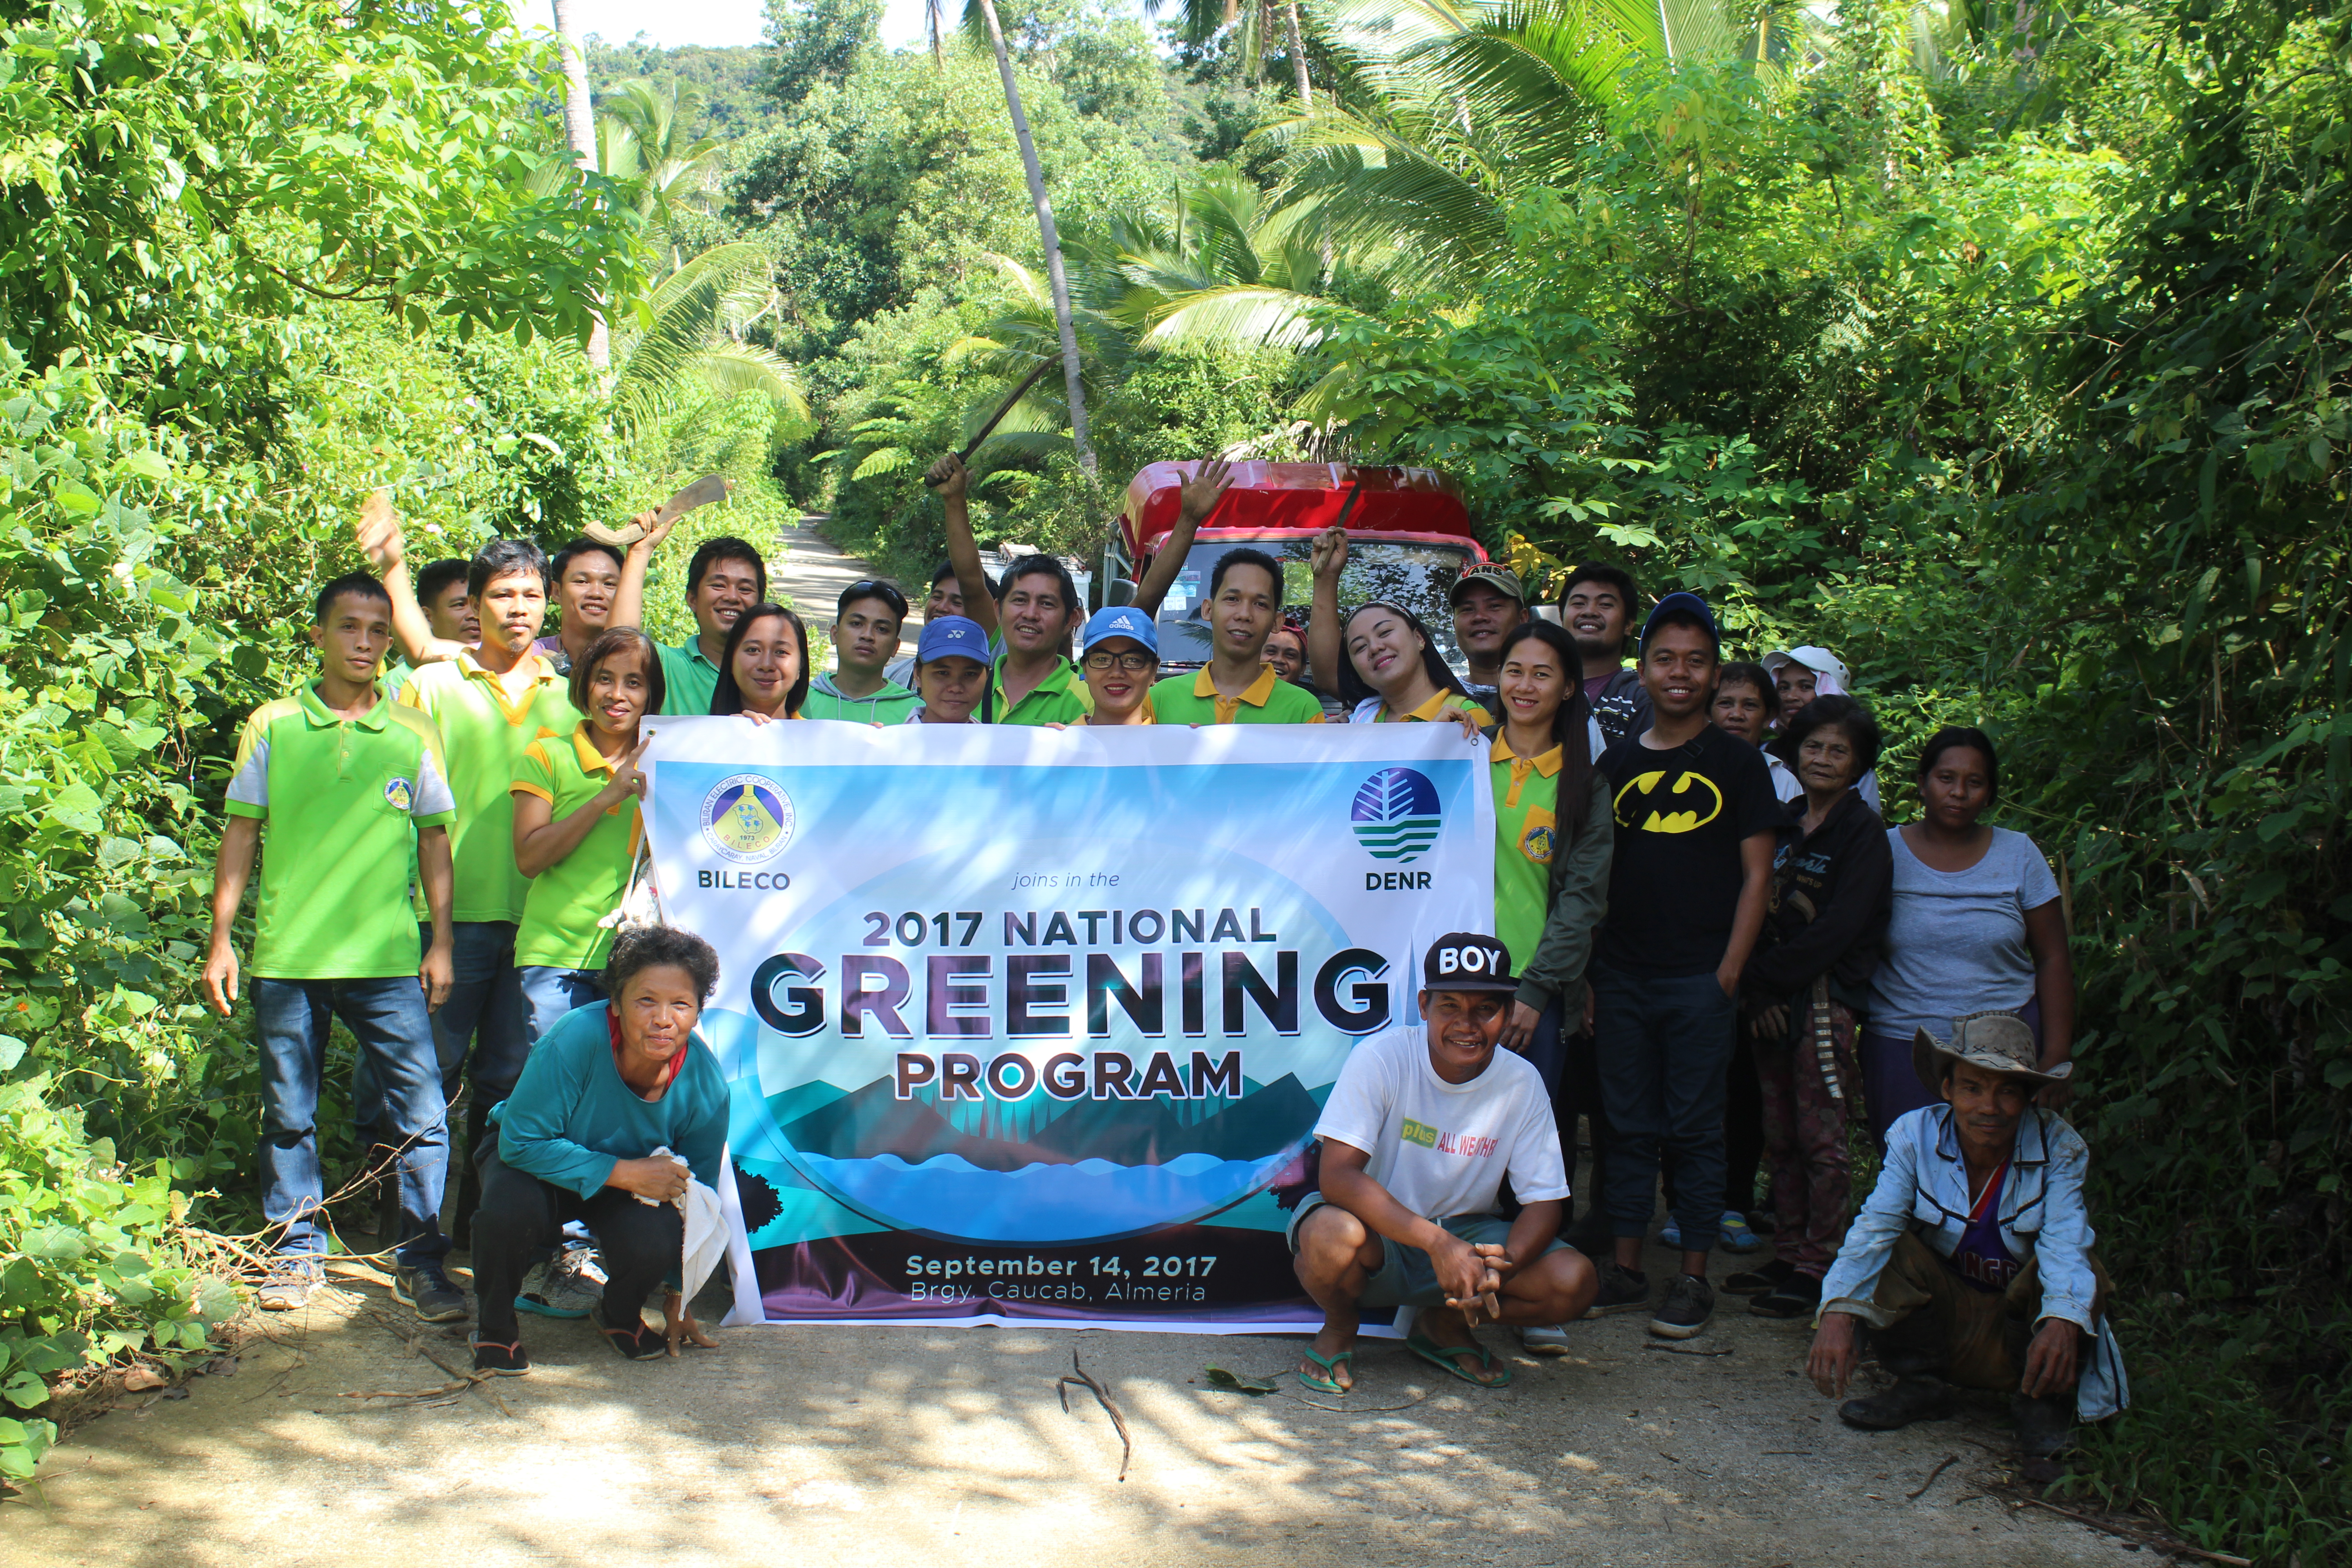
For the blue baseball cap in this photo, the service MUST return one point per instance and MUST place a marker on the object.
(952, 636)
(1120, 621)
(1686, 604)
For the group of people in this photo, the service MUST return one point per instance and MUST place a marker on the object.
(1709, 951)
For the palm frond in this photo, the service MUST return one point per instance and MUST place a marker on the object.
(1240, 315)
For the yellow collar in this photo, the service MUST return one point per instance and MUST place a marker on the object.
(1547, 764)
(1255, 693)
(591, 761)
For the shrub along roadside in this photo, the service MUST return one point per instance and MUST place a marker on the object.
(100, 1263)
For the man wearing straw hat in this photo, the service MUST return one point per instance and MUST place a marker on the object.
(1972, 1263)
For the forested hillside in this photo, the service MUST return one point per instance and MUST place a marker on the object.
(2002, 349)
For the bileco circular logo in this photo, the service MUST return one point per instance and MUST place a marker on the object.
(747, 818)
(1396, 816)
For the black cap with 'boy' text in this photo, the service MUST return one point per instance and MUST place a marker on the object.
(1465, 961)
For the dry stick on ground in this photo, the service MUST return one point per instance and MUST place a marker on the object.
(2149, 1542)
(1085, 1380)
(1681, 1350)
(1949, 1461)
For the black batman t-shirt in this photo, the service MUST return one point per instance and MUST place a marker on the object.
(1674, 883)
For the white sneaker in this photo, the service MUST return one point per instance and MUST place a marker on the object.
(1544, 1341)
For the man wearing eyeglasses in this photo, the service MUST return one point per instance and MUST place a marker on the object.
(864, 637)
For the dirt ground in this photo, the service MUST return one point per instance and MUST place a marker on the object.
(903, 1445)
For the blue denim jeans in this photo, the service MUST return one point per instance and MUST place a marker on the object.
(395, 1039)
(1663, 1047)
(549, 992)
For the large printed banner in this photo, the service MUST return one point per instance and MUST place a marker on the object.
(1034, 1024)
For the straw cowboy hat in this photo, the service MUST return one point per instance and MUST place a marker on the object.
(1997, 1042)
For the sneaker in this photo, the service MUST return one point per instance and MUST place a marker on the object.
(428, 1291)
(1737, 1236)
(1546, 1341)
(1797, 1296)
(635, 1341)
(1671, 1238)
(1761, 1280)
(1689, 1307)
(1623, 1289)
(288, 1290)
(1911, 1399)
(552, 1291)
(502, 1360)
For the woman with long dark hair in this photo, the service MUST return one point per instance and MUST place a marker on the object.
(1553, 840)
(1379, 657)
(764, 673)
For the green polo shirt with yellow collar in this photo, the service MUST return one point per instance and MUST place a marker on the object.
(1060, 699)
(1269, 700)
(484, 729)
(563, 913)
(339, 801)
(1526, 831)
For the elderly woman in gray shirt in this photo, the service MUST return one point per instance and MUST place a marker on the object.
(1975, 927)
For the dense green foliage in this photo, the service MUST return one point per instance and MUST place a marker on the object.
(2011, 364)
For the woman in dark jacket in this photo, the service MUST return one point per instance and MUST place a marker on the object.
(1808, 978)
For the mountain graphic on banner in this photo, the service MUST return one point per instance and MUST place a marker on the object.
(872, 1122)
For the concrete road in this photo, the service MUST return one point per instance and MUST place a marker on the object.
(931, 1446)
(814, 573)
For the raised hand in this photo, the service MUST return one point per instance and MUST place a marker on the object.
(949, 477)
(1205, 490)
(1328, 554)
(378, 528)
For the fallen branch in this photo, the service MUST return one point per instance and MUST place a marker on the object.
(2151, 1542)
(1949, 1461)
(1684, 1350)
(1353, 1409)
(1085, 1379)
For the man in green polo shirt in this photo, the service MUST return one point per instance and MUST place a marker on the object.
(1237, 686)
(1029, 620)
(724, 577)
(343, 781)
(489, 702)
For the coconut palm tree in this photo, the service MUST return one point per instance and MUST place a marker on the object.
(984, 14)
(692, 355)
(580, 134)
(642, 140)
(1482, 99)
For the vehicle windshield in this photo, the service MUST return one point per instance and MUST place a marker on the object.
(1411, 574)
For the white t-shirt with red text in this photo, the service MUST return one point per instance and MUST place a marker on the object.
(1442, 1149)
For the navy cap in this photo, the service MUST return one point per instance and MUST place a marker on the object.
(952, 636)
(1688, 604)
(1465, 961)
(1120, 621)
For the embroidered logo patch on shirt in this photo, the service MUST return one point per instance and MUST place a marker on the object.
(398, 795)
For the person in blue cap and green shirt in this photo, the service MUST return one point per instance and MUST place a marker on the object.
(1119, 653)
(951, 671)
(1695, 822)
(1422, 1127)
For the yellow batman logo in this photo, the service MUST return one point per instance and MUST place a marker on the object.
(1688, 818)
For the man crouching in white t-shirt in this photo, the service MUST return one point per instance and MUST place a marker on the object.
(1418, 1134)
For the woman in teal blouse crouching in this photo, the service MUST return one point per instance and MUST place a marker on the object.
(609, 1085)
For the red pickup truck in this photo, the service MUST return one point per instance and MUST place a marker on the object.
(1408, 540)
